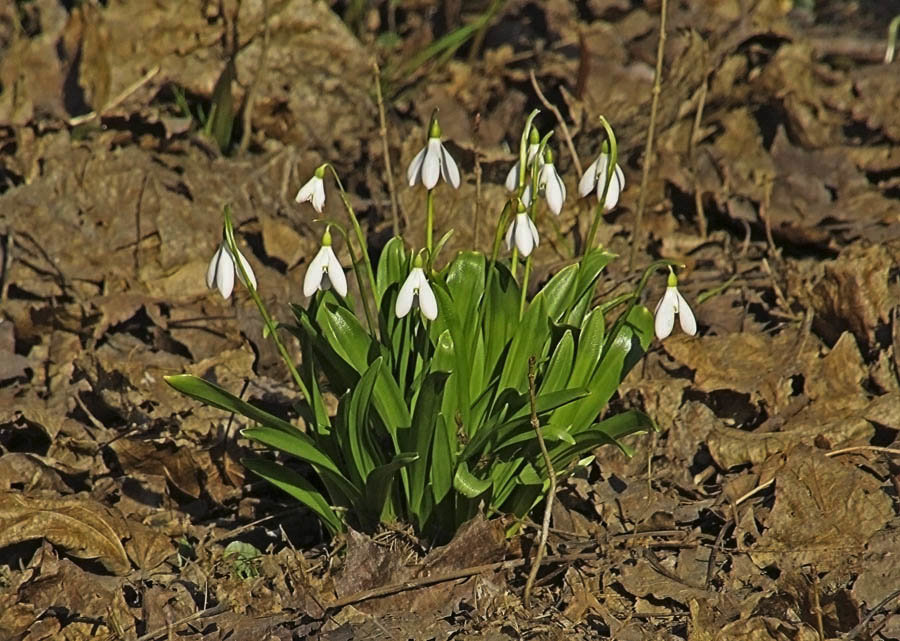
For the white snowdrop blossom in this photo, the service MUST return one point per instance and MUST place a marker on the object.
(325, 271)
(595, 177)
(314, 190)
(432, 162)
(525, 234)
(551, 184)
(220, 273)
(416, 290)
(669, 305)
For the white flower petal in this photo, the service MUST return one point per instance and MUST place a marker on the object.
(415, 167)
(525, 235)
(431, 166)
(686, 316)
(554, 188)
(616, 185)
(313, 279)
(247, 269)
(509, 234)
(318, 197)
(588, 179)
(512, 178)
(534, 232)
(449, 170)
(225, 274)
(526, 195)
(336, 273)
(427, 301)
(665, 313)
(213, 268)
(407, 293)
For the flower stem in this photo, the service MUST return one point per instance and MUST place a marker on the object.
(271, 327)
(524, 293)
(429, 222)
(612, 161)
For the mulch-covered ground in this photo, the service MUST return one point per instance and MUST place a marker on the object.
(766, 507)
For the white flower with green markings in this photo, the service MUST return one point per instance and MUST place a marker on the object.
(220, 273)
(416, 291)
(314, 190)
(670, 305)
(433, 162)
(325, 271)
(595, 178)
(523, 233)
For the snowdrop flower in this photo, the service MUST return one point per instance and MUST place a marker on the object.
(433, 161)
(595, 176)
(549, 182)
(314, 190)
(669, 305)
(534, 144)
(416, 290)
(324, 271)
(524, 232)
(220, 273)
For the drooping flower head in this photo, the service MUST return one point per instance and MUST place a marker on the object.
(671, 304)
(314, 190)
(595, 178)
(325, 270)
(221, 270)
(416, 291)
(523, 232)
(551, 184)
(433, 162)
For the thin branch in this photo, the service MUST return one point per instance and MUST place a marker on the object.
(567, 136)
(651, 130)
(395, 218)
(551, 492)
(115, 102)
(254, 86)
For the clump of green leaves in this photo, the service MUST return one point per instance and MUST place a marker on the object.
(433, 419)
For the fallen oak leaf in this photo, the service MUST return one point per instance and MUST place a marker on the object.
(84, 528)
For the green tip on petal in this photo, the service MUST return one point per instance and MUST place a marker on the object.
(320, 170)
(534, 137)
(434, 130)
(326, 237)
(520, 206)
(419, 262)
(673, 279)
(548, 156)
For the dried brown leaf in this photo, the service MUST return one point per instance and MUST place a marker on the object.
(83, 527)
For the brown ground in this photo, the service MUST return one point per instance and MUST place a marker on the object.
(767, 506)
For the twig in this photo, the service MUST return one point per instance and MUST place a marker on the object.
(395, 219)
(115, 102)
(254, 86)
(562, 123)
(463, 573)
(648, 149)
(692, 154)
(862, 624)
(202, 614)
(551, 492)
(818, 605)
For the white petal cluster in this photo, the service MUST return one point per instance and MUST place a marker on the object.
(525, 234)
(313, 192)
(416, 290)
(325, 271)
(595, 177)
(432, 162)
(553, 187)
(671, 304)
(221, 270)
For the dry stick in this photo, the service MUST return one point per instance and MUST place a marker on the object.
(648, 149)
(115, 102)
(551, 493)
(692, 154)
(395, 219)
(862, 624)
(562, 123)
(412, 584)
(817, 604)
(254, 86)
(844, 450)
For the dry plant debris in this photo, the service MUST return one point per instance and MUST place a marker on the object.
(765, 508)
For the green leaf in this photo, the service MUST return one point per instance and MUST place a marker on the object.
(345, 335)
(358, 427)
(607, 432)
(298, 487)
(559, 292)
(424, 420)
(529, 340)
(221, 115)
(393, 267)
(379, 482)
(501, 317)
(560, 368)
(467, 484)
(442, 460)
